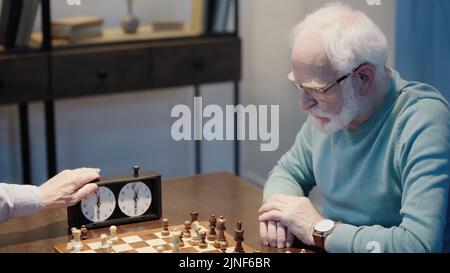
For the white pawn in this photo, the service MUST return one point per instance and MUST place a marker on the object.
(113, 230)
(105, 246)
(76, 243)
(110, 244)
(159, 249)
(175, 243)
(69, 245)
(71, 231)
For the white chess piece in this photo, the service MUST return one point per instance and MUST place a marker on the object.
(113, 230)
(105, 246)
(195, 227)
(159, 249)
(110, 244)
(69, 245)
(175, 243)
(76, 243)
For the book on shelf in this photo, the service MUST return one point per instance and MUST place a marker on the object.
(231, 22)
(221, 11)
(209, 15)
(27, 20)
(9, 21)
(219, 16)
(76, 28)
(197, 25)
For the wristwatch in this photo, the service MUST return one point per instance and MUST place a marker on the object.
(322, 229)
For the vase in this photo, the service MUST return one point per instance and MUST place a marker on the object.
(130, 22)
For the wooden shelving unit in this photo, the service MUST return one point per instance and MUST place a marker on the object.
(58, 69)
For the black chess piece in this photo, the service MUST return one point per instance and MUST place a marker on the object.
(84, 232)
(212, 228)
(220, 233)
(181, 244)
(203, 243)
(194, 216)
(187, 229)
(239, 238)
(165, 227)
(223, 246)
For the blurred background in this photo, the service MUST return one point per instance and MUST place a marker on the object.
(113, 132)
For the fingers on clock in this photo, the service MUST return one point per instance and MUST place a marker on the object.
(85, 191)
(86, 175)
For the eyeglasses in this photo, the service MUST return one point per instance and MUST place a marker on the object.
(320, 92)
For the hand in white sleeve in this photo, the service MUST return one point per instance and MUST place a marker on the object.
(68, 187)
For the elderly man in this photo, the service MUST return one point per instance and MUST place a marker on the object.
(65, 189)
(375, 145)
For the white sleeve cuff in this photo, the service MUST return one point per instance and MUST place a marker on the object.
(27, 200)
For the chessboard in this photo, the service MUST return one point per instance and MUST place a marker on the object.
(152, 241)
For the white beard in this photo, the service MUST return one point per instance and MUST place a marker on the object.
(352, 103)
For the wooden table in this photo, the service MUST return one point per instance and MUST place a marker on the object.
(218, 193)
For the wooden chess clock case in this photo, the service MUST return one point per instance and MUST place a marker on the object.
(115, 189)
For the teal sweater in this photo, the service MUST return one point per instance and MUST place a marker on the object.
(386, 181)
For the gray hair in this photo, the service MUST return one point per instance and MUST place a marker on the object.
(349, 37)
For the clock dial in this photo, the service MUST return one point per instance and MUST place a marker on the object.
(135, 199)
(99, 205)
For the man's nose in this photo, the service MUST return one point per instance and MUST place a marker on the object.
(306, 101)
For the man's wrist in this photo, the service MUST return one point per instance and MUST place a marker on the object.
(329, 238)
(309, 238)
(27, 199)
(45, 195)
(327, 242)
(322, 231)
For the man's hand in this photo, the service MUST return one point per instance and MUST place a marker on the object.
(295, 213)
(68, 187)
(275, 234)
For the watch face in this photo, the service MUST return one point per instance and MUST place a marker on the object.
(135, 199)
(99, 206)
(324, 225)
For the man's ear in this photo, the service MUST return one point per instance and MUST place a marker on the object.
(366, 76)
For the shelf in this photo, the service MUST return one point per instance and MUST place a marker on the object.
(113, 35)
(107, 69)
(145, 32)
(131, 67)
(23, 78)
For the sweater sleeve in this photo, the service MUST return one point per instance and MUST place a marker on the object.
(293, 174)
(18, 200)
(423, 163)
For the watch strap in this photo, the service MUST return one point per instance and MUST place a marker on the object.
(319, 239)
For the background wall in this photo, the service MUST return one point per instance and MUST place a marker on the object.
(428, 25)
(114, 132)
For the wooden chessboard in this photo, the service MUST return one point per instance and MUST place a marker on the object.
(147, 242)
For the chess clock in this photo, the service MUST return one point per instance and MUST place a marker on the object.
(119, 200)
